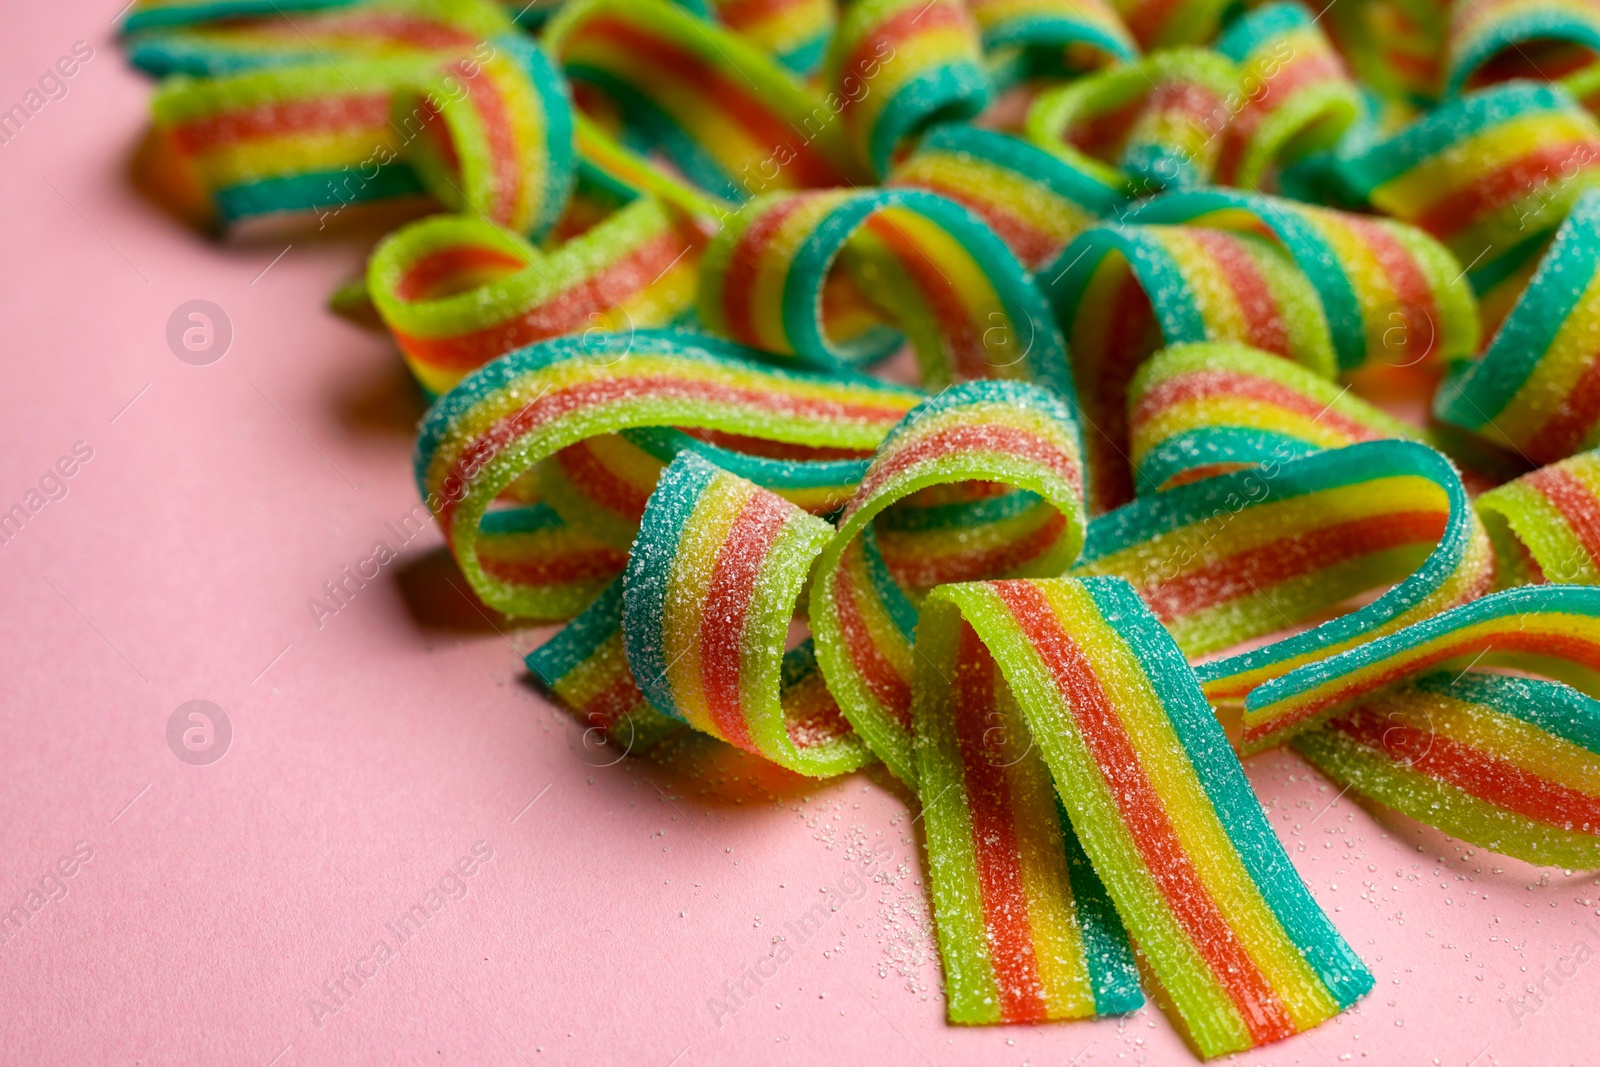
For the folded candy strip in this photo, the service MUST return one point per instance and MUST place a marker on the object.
(1034, 201)
(1491, 174)
(1155, 795)
(1390, 292)
(1296, 94)
(1053, 36)
(1198, 410)
(1246, 554)
(457, 291)
(711, 586)
(1122, 292)
(501, 421)
(1553, 630)
(1546, 524)
(946, 282)
(1025, 927)
(897, 66)
(1518, 38)
(1505, 763)
(1537, 388)
(862, 621)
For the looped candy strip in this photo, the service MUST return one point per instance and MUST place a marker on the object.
(711, 586)
(501, 421)
(1546, 524)
(1122, 292)
(1551, 629)
(1034, 201)
(1542, 39)
(727, 115)
(1247, 554)
(1508, 764)
(952, 287)
(1297, 95)
(1052, 36)
(1537, 388)
(794, 32)
(1390, 292)
(457, 291)
(1153, 792)
(1490, 174)
(896, 66)
(862, 619)
(1157, 122)
(498, 138)
(227, 38)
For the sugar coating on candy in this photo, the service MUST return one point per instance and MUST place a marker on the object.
(1508, 764)
(1160, 804)
(1546, 524)
(1534, 390)
(1025, 928)
(1237, 556)
(1552, 629)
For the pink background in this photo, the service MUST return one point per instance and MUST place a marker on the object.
(372, 753)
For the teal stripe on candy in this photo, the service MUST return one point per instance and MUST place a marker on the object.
(1553, 707)
(959, 91)
(1112, 973)
(650, 567)
(529, 519)
(900, 610)
(664, 443)
(1497, 36)
(1527, 599)
(1215, 444)
(579, 639)
(318, 189)
(1452, 122)
(160, 56)
(960, 514)
(1065, 280)
(1223, 780)
(1260, 27)
(1305, 245)
(1479, 394)
(1057, 32)
(555, 102)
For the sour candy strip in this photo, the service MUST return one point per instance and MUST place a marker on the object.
(1507, 764)
(1546, 524)
(1160, 804)
(1549, 629)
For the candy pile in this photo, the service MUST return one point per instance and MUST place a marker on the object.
(1005, 391)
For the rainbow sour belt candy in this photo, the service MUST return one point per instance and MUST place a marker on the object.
(1052, 35)
(505, 418)
(1196, 410)
(1158, 800)
(1242, 555)
(1501, 39)
(1025, 928)
(954, 289)
(1537, 388)
(1121, 292)
(863, 621)
(1297, 95)
(1390, 292)
(1509, 764)
(217, 39)
(711, 586)
(586, 667)
(1551, 629)
(635, 269)
(1546, 525)
(1036, 202)
(1490, 174)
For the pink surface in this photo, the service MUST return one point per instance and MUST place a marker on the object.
(371, 755)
